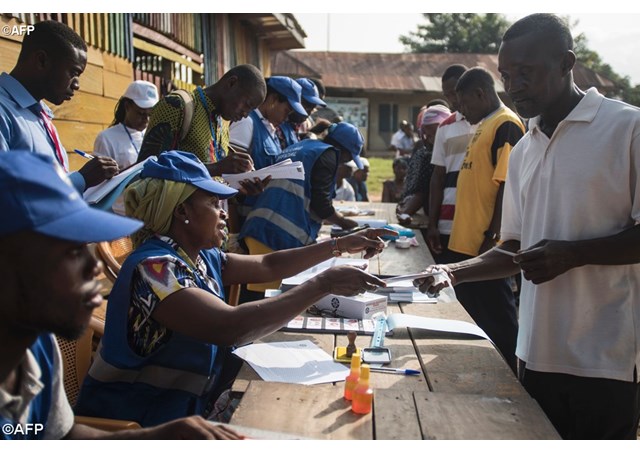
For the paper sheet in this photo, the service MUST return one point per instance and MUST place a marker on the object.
(293, 362)
(95, 194)
(435, 324)
(282, 170)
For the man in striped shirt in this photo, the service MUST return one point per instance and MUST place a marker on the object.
(449, 150)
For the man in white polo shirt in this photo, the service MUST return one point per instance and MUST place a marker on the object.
(571, 212)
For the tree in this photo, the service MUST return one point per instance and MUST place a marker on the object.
(457, 33)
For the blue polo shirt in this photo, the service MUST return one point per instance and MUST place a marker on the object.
(22, 128)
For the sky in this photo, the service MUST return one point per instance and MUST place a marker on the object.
(374, 26)
(615, 37)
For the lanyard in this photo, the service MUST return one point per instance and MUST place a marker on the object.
(130, 138)
(51, 131)
(216, 153)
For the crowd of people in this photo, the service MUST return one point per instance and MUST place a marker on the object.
(555, 201)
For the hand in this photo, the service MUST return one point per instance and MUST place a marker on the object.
(194, 427)
(98, 169)
(546, 260)
(428, 285)
(255, 186)
(348, 280)
(404, 219)
(235, 162)
(367, 240)
(433, 240)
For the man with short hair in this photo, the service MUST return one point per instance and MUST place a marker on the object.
(450, 146)
(230, 99)
(49, 286)
(571, 219)
(51, 60)
(476, 222)
(403, 140)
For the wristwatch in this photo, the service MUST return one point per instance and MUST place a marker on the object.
(335, 251)
(491, 235)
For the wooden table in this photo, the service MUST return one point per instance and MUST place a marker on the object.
(465, 389)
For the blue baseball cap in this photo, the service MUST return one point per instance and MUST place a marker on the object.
(185, 167)
(348, 137)
(35, 195)
(290, 89)
(310, 92)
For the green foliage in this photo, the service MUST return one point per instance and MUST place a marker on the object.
(482, 33)
(380, 169)
(457, 33)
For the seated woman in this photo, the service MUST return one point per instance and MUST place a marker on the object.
(168, 334)
(392, 189)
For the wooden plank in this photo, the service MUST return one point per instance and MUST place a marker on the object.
(395, 415)
(115, 84)
(158, 38)
(403, 355)
(86, 107)
(460, 364)
(9, 51)
(317, 412)
(472, 417)
(165, 53)
(94, 56)
(91, 80)
(10, 22)
(78, 135)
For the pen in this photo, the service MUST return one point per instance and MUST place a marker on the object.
(405, 371)
(504, 252)
(235, 151)
(83, 154)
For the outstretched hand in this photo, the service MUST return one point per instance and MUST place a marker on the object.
(432, 285)
(366, 240)
(349, 280)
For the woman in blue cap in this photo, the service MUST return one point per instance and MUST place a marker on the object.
(165, 351)
(289, 213)
(311, 100)
(257, 133)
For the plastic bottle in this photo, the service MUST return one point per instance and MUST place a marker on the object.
(352, 380)
(362, 395)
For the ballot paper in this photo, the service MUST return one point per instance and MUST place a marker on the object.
(287, 169)
(293, 362)
(113, 187)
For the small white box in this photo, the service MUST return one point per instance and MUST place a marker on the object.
(362, 306)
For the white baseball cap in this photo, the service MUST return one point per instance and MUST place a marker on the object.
(144, 94)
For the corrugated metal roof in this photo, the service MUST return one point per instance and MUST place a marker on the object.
(397, 72)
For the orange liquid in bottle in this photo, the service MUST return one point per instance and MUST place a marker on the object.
(362, 402)
(352, 380)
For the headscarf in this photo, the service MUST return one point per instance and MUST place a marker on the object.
(153, 201)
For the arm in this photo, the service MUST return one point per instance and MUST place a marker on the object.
(285, 263)
(490, 265)
(436, 195)
(322, 187)
(194, 427)
(547, 259)
(203, 316)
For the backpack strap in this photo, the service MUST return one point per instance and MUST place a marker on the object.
(187, 116)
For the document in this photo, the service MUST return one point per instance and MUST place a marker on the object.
(292, 362)
(282, 170)
(435, 324)
(113, 187)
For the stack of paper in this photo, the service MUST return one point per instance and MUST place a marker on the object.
(282, 170)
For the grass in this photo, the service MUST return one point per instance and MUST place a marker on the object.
(380, 169)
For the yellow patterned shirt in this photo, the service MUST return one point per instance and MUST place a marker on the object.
(165, 126)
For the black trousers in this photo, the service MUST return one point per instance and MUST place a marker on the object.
(491, 304)
(585, 408)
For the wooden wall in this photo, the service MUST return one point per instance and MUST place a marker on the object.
(91, 110)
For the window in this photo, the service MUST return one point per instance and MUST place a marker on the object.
(387, 117)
